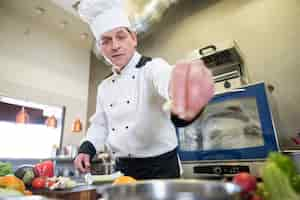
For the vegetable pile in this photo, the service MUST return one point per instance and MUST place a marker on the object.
(12, 186)
(39, 176)
(9, 184)
(280, 180)
(36, 176)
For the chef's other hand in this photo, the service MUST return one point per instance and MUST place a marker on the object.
(192, 87)
(82, 162)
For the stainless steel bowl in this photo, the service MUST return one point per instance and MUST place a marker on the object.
(179, 189)
(33, 197)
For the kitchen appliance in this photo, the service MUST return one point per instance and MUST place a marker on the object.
(235, 133)
(226, 63)
(171, 190)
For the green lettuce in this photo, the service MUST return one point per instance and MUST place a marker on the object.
(287, 166)
(5, 168)
(277, 183)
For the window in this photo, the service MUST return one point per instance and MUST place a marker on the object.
(33, 140)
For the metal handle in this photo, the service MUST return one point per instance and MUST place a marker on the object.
(231, 91)
(201, 51)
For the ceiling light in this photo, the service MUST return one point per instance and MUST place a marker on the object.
(83, 36)
(51, 122)
(22, 117)
(76, 126)
(39, 11)
(27, 31)
(63, 24)
(75, 5)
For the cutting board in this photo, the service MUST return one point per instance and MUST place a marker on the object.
(85, 192)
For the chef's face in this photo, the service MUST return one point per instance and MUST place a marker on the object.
(118, 46)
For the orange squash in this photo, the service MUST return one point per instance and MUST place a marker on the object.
(124, 180)
(12, 182)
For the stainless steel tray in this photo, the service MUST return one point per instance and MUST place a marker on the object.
(179, 189)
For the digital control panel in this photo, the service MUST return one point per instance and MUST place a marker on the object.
(220, 169)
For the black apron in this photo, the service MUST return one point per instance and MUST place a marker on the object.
(163, 166)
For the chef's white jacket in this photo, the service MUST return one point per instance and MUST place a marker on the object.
(129, 116)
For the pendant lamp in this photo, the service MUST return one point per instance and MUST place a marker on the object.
(22, 117)
(76, 126)
(51, 122)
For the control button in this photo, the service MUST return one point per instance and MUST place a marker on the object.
(127, 101)
(217, 170)
(113, 129)
(126, 127)
(133, 77)
(227, 84)
(113, 80)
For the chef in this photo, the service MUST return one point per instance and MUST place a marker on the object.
(129, 116)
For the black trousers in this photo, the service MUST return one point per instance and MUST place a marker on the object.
(162, 166)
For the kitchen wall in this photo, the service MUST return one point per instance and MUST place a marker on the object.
(98, 71)
(266, 31)
(45, 64)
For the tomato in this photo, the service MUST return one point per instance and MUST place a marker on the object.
(246, 181)
(39, 183)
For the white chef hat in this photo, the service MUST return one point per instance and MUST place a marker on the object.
(103, 15)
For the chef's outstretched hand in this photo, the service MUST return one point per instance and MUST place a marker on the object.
(192, 87)
(82, 162)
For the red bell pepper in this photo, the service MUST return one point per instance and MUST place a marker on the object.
(44, 169)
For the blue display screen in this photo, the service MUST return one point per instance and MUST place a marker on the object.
(235, 125)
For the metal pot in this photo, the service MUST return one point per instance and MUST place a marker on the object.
(172, 190)
(102, 164)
